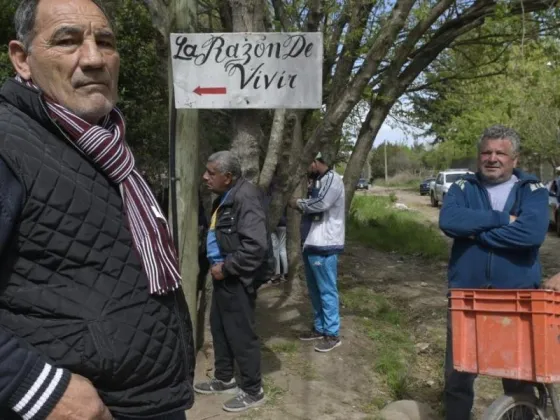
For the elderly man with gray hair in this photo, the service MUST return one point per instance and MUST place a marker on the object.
(93, 320)
(238, 250)
(498, 220)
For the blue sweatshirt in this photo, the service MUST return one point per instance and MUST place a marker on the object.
(488, 250)
(29, 385)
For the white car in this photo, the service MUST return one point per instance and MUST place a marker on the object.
(443, 182)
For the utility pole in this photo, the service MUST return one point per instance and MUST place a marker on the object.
(184, 173)
(385, 152)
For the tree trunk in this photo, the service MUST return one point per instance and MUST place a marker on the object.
(273, 150)
(186, 177)
(247, 16)
(245, 143)
(377, 115)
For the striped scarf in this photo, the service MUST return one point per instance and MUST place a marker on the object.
(105, 146)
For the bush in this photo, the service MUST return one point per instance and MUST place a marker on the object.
(402, 179)
(374, 222)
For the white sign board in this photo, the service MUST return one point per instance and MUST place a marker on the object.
(247, 70)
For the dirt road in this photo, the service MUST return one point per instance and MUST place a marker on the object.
(343, 385)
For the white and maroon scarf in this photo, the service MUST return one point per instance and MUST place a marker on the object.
(105, 145)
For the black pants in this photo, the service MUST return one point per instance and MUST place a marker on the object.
(232, 321)
(459, 386)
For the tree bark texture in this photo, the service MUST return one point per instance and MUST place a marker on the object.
(182, 18)
(247, 16)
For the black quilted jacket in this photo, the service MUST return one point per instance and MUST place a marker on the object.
(71, 284)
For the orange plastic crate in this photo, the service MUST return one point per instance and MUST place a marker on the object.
(507, 333)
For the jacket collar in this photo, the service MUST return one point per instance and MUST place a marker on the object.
(230, 193)
(28, 101)
(524, 178)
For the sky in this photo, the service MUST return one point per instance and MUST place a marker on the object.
(396, 135)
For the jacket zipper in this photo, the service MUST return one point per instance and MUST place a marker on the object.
(490, 253)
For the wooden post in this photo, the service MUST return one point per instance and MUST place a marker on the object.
(184, 148)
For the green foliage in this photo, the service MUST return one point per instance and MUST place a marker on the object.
(142, 86)
(7, 32)
(522, 92)
(401, 159)
(373, 222)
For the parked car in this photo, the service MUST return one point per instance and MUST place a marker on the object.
(362, 184)
(425, 186)
(444, 180)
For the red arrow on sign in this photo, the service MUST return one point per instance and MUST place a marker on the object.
(210, 90)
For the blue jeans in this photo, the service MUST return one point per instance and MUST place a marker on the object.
(321, 273)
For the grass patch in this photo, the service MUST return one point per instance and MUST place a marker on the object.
(412, 184)
(387, 327)
(273, 392)
(286, 347)
(374, 222)
(405, 180)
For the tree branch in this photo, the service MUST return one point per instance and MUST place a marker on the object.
(454, 77)
(274, 145)
(331, 46)
(350, 50)
(280, 14)
(314, 16)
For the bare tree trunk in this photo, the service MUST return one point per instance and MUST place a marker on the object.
(355, 165)
(294, 234)
(182, 18)
(273, 150)
(247, 16)
(245, 143)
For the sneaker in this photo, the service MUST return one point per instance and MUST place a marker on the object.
(311, 335)
(327, 344)
(244, 401)
(215, 386)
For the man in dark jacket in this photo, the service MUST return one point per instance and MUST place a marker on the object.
(498, 219)
(93, 321)
(237, 248)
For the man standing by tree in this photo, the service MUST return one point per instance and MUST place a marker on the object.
(93, 321)
(322, 242)
(498, 220)
(238, 250)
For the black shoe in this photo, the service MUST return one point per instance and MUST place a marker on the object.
(311, 335)
(327, 344)
(215, 386)
(244, 401)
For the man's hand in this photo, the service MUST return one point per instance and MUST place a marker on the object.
(217, 271)
(512, 218)
(80, 401)
(293, 203)
(552, 283)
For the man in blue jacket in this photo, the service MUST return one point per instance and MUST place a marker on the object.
(498, 219)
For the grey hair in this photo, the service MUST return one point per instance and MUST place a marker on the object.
(24, 20)
(500, 132)
(226, 162)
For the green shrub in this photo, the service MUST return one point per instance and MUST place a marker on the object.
(375, 223)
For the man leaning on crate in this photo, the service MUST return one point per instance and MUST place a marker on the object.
(498, 219)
